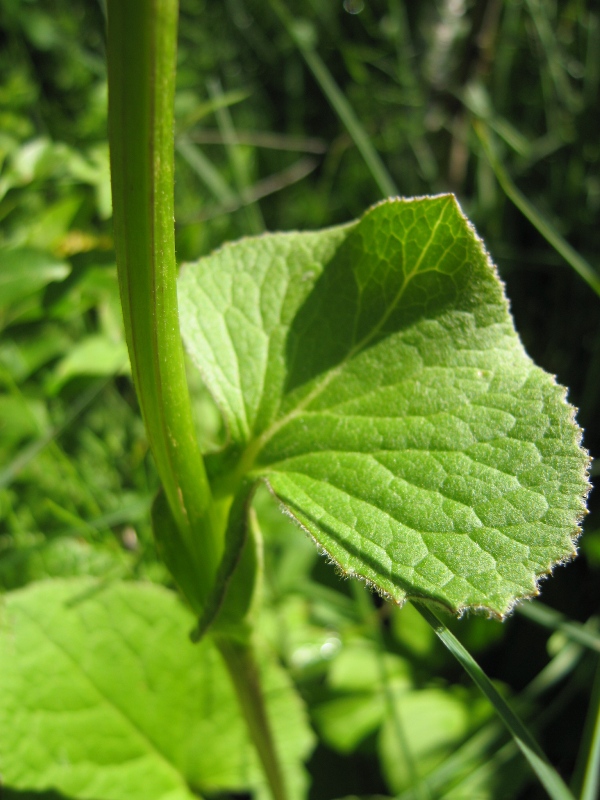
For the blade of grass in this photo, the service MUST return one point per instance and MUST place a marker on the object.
(69, 518)
(30, 451)
(587, 772)
(273, 183)
(226, 99)
(475, 97)
(133, 512)
(591, 74)
(548, 618)
(204, 169)
(266, 139)
(255, 221)
(63, 461)
(555, 59)
(500, 768)
(479, 749)
(405, 51)
(463, 762)
(338, 101)
(563, 663)
(537, 219)
(545, 772)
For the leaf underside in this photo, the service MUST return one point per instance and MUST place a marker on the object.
(372, 376)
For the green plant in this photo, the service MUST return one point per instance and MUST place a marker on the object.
(413, 377)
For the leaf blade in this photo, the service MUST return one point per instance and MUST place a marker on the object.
(408, 432)
(103, 695)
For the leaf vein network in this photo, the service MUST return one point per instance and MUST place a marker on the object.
(110, 702)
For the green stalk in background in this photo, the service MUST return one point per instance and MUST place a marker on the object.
(142, 40)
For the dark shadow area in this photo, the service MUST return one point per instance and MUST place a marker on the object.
(364, 294)
(337, 776)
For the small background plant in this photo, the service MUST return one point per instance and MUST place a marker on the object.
(284, 119)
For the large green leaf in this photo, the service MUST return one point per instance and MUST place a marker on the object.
(103, 696)
(371, 374)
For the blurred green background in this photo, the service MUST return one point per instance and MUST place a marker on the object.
(300, 116)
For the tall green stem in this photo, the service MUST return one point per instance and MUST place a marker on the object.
(142, 39)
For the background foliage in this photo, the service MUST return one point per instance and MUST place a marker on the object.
(259, 146)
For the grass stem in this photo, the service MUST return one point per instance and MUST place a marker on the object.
(546, 774)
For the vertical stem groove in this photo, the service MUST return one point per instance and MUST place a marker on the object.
(142, 40)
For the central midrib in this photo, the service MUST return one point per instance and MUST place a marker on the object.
(146, 739)
(252, 451)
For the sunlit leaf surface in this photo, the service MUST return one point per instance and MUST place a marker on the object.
(372, 375)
